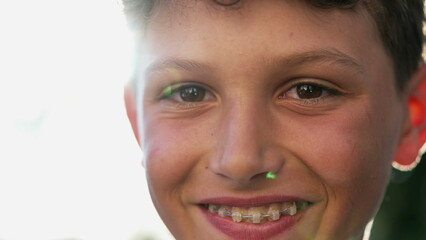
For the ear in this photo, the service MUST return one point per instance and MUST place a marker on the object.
(409, 151)
(130, 102)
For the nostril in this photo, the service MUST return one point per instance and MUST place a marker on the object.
(246, 172)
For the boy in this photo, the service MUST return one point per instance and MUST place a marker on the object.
(275, 119)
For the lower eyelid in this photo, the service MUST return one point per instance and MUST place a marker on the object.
(312, 101)
(327, 96)
(186, 107)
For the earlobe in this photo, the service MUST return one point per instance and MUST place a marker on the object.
(130, 102)
(411, 146)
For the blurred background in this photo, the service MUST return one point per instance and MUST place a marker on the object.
(69, 165)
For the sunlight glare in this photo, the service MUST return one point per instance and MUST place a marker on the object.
(69, 164)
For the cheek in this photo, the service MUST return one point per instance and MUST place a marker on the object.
(359, 154)
(173, 149)
(170, 158)
(351, 154)
(166, 155)
(345, 148)
(352, 151)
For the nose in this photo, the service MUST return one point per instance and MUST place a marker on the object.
(244, 149)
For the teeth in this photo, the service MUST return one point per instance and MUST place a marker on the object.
(293, 209)
(213, 208)
(237, 215)
(275, 215)
(274, 211)
(286, 206)
(222, 211)
(259, 214)
(256, 213)
(256, 217)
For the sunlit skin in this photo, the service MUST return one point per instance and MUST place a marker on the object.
(252, 68)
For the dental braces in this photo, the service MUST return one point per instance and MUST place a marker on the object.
(287, 211)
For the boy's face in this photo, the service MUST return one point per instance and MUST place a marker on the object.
(233, 93)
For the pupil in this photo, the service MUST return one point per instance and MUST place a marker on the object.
(309, 91)
(192, 94)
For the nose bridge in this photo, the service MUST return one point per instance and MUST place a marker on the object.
(243, 125)
(241, 140)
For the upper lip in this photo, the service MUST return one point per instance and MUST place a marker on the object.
(251, 202)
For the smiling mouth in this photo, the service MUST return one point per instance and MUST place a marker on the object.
(258, 214)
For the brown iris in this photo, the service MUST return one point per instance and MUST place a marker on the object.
(307, 91)
(192, 94)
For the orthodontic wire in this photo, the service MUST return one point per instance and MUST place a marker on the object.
(262, 216)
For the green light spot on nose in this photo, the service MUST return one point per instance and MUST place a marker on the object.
(271, 175)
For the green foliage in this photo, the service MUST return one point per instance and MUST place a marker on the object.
(402, 215)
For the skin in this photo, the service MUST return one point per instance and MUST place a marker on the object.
(335, 150)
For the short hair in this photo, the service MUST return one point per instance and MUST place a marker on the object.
(399, 24)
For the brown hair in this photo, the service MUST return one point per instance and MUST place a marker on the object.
(399, 23)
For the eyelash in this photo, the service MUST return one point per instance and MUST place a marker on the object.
(171, 90)
(312, 101)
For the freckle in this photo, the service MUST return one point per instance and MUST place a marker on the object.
(290, 34)
(207, 167)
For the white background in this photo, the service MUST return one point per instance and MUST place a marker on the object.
(69, 164)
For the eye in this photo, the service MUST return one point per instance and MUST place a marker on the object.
(308, 91)
(192, 93)
(186, 93)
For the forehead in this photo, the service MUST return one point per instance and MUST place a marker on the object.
(253, 31)
(180, 14)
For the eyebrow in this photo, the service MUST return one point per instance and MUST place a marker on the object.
(177, 63)
(330, 55)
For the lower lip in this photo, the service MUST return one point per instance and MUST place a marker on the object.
(250, 231)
